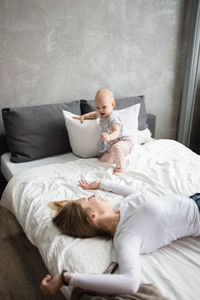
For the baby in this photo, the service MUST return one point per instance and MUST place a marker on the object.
(114, 145)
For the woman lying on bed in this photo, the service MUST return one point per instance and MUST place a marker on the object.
(143, 224)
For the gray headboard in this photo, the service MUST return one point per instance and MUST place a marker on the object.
(51, 121)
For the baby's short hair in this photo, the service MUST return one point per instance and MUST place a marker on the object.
(104, 91)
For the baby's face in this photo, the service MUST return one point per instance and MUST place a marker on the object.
(104, 105)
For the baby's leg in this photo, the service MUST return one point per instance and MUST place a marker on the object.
(107, 156)
(120, 150)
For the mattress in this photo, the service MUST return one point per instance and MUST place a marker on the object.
(161, 167)
(9, 169)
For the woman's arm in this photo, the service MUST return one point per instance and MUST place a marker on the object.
(116, 188)
(107, 185)
(128, 281)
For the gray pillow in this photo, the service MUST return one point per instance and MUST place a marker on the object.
(88, 106)
(37, 131)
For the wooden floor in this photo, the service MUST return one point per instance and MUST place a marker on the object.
(21, 266)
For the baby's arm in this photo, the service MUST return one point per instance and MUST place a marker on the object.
(112, 136)
(89, 116)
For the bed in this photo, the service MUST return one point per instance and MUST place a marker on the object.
(158, 166)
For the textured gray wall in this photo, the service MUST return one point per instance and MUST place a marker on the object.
(54, 51)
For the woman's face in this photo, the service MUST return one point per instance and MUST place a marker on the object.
(96, 204)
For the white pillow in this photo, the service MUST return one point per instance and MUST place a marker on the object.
(144, 136)
(84, 137)
(129, 119)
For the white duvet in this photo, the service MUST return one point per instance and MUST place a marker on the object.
(162, 167)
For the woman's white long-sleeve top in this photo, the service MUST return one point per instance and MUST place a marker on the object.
(147, 223)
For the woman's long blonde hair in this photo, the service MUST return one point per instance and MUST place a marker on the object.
(75, 221)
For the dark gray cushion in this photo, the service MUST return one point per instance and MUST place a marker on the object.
(37, 131)
(88, 106)
(3, 143)
(151, 121)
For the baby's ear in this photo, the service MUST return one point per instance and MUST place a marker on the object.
(113, 103)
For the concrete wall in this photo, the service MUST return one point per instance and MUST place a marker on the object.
(54, 51)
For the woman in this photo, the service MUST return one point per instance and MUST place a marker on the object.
(143, 224)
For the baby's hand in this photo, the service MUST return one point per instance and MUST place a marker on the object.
(105, 137)
(81, 118)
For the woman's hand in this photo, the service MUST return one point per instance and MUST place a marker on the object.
(50, 285)
(89, 186)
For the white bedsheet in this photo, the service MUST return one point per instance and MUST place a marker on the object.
(162, 167)
(9, 169)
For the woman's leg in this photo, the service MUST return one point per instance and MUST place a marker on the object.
(196, 198)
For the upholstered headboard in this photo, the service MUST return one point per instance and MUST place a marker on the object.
(39, 131)
(151, 121)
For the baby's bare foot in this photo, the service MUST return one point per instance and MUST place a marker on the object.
(117, 173)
